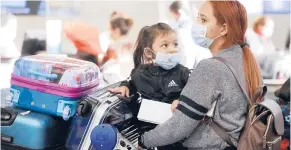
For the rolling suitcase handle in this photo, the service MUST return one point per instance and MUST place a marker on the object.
(7, 116)
(85, 108)
(49, 76)
(87, 105)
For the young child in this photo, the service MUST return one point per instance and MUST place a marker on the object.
(157, 74)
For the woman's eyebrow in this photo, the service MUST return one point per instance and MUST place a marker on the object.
(202, 15)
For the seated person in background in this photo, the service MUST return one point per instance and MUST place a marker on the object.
(259, 38)
(157, 74)
(117, 48)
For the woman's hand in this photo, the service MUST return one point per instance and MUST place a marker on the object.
(174, 105)
(123, 91)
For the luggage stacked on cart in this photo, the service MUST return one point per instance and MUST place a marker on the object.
(107, 121)
(85, 111)
(44, 96)
(102, 110)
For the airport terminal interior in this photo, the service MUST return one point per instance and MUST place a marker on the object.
(145, 74)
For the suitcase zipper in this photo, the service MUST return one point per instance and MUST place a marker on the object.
(52, 88)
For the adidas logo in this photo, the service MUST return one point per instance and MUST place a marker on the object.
(172, 83)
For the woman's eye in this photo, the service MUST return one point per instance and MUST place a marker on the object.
(176, 44)
(203, 20)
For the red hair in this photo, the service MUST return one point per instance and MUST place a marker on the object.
(234, 15)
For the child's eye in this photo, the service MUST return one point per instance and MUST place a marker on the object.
(165, 45)
(176, 44)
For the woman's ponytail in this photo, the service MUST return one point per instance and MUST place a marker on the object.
(252, 71)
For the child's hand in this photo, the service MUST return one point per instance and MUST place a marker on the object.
(123, 91)
(174, 105)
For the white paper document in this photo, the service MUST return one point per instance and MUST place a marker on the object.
(154, 111)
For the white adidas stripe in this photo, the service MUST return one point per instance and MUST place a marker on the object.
(172, 83)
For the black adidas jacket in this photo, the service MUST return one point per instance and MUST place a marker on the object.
(156, 83)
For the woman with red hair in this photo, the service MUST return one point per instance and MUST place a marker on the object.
(221, 27)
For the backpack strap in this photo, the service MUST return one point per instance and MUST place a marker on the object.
(235, 75)
(221, 133)
(277, 114)
(258, 93)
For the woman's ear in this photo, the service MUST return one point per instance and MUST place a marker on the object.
(224, 29)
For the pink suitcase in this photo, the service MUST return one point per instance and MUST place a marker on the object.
(52, 84)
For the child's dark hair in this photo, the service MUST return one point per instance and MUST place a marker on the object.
(146, 38)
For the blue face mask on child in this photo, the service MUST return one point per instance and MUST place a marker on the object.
(167, 60)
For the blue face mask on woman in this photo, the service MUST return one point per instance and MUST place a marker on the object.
(199, 36)
(167, 60)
